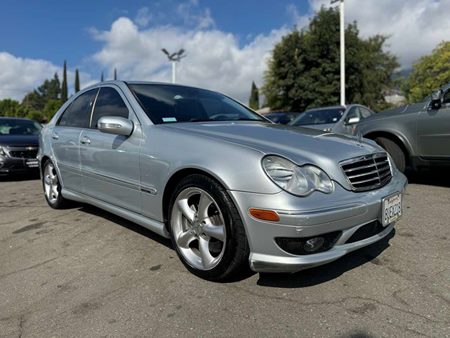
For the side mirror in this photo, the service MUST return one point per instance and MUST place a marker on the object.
(436, 98)
(353, 120)
(115, 125)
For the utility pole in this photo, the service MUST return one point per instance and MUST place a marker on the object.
(174, 58)
(342, 46)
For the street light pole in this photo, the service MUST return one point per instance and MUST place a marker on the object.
(174, 72)
(174, 58)
(342, 32)
(342, 47)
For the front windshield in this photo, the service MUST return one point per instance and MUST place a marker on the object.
(19, 127)
(171, 104)
(319, 116)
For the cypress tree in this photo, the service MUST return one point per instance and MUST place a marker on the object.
(254, 97)
(64, 91)
(77, 81)
(115, 74)
(101, 77)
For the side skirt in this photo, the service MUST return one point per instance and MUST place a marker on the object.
(147, 223)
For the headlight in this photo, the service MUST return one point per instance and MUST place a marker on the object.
(2, 152)
(300, 181)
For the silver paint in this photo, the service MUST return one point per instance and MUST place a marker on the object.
(116, 173)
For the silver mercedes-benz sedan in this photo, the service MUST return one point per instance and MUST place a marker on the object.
(230, 188)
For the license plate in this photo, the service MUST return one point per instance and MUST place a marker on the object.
(391, 209)
(32, 163)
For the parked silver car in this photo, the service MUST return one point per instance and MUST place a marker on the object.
(334, 119)
(229, 187)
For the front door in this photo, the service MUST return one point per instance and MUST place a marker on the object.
(433, 129)
(110, 163)
(65, 137)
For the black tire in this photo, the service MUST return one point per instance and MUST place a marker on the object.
(236, 252)
(395, 151)
(59, 202)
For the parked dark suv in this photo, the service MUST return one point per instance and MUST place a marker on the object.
(416, 135)
(19, 145)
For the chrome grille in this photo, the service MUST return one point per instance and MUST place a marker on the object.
(367, 172)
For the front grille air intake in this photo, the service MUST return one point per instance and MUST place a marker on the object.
(367, 172)
(23, 153)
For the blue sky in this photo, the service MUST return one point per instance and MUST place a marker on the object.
(228, 42)
(57, 30)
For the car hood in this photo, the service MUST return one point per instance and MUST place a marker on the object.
(326, 126)
(402, 110)
(300, 145)
(19, 140)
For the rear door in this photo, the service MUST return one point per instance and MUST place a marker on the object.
(110, 163)
(66, 137)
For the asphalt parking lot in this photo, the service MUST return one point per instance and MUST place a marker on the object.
(83, 272)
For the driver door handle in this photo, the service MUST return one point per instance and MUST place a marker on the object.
(85, 140)
(55, 136)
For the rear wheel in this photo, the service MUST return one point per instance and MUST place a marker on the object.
(206, 229)
(395, 151)
(52, 187)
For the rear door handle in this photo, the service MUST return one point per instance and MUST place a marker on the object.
(55, 136)
(85, 140)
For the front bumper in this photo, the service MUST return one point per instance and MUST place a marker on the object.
(9, 165)
(314, 215)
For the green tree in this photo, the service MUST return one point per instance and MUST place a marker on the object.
(64, 90)
(303, 71)
(77, 81)
(43, 102)
(48, 90)
(254, 97)
(51, 107)
(429, 73)
(11, 108)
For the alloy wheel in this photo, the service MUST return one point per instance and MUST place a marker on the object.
(51, 183)
(198, 228)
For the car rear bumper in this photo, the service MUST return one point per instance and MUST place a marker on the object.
(342, 213)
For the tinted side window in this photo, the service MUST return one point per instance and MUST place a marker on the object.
(446, 97)
(78, 113)
(365, 113)
(109, 103)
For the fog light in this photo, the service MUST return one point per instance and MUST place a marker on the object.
(313, 244)
(308, 245)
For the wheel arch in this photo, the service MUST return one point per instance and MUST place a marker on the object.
(174, 179)
(44, 159)
(398, 139)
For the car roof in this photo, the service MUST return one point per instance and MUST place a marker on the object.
(16, 118)
(120, 82)
(327, 107)
(337, 107)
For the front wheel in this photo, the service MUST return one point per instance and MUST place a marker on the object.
(206, 229)
(395, 151)
(52, 187)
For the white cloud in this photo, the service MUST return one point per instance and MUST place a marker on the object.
(19, 76)
(220, 60)
(415, 27)
(214, 59)
(143, 17)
